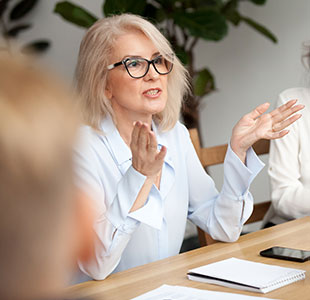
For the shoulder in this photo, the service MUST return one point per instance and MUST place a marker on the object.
(87, 132)
(88, 141)
(302, 94)
(177, 139)
(179, 131)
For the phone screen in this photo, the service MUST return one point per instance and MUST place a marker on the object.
(286, 253)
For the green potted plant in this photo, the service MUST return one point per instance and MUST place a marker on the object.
(12, 24)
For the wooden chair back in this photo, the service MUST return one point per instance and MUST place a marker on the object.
(215, 155)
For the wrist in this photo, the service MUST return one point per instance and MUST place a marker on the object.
(151, 178)
(239, 151)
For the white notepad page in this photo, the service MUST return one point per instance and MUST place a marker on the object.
(262, 277)
(170, 292)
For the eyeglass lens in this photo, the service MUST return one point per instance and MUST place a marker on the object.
(138, 67)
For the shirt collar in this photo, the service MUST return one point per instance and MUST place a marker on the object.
(163, 140)
(120, 150)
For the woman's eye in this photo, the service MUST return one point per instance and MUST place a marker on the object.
(159, 60)
(133, 64)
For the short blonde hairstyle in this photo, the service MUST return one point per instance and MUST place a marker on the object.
(38, 124)
(94, 57)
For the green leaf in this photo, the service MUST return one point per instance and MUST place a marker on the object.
(37, 46)
(258, 2)
(208, 3)
(260, 28)
(3, 6)
(75, 14)
(22, 8)
(154, 14)
(112, 7)
(13, 32)
(181, 54)
(168, 3)
(204, 82)
(208, 24)
(230, 11)
(234, 18)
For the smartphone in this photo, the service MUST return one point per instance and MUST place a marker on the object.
(286, 253)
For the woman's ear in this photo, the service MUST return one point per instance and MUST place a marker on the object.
(108, 91)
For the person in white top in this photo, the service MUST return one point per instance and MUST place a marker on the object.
(289, 166)
(138, 159)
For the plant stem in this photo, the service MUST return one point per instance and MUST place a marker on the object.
(185, 38)
(193, 44)
(169, 28)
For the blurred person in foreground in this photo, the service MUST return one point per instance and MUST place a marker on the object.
(289, 162)
(139, 158)
(45, 223)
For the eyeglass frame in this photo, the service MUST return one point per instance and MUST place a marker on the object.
(123, 62)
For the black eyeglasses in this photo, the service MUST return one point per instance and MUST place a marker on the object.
(138, 67)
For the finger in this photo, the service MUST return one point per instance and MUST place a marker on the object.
(143, 137)
(277, 135)
(285, 114)
(152, 142)
(135, 133)
(259, 110)
(283, 107)
(280, 126)
(161, 154)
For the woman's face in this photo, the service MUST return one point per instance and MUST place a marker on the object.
(135, 99)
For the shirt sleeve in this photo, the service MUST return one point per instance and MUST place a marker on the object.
(222, 214)
(290, 195)
(113, 226)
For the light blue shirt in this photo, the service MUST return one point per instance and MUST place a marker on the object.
(155, 231)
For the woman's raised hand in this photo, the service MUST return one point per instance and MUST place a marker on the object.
(146, 158)
(256, 125)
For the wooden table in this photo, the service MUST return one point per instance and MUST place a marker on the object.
(133, 282)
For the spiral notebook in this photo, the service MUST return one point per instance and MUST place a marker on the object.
(246, 275)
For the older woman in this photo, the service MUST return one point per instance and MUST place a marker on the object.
(138, 159)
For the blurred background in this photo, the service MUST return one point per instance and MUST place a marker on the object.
(248, 68)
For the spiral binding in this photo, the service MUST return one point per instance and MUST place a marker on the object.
(284, 281)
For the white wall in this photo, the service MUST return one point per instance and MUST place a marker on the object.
(249, 69)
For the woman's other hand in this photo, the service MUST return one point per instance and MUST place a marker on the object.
(146, 158)
(256, 125)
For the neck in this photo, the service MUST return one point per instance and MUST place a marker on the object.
(125, 125)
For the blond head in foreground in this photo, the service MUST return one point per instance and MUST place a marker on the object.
(39, 206)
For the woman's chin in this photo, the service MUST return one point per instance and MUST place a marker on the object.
(157, 107)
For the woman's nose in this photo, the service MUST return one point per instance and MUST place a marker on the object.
(151, 74)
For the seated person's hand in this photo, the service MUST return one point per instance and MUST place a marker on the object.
(256, 125)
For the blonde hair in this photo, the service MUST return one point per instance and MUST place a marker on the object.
(38, 124)
(91, 72)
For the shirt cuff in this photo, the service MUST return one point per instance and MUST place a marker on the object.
(152, 212)
(127, 192)
(237, 175)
